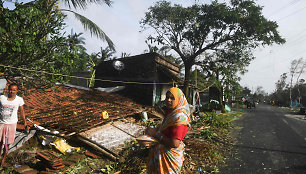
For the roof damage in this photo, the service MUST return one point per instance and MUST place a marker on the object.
(71, 110)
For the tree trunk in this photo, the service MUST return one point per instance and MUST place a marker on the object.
(299, 94)
(221, 100)
(220, 88)
(187, 80)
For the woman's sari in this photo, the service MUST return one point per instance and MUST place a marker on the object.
(163, 159)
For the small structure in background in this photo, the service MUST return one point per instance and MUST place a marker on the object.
(81, 80)
(2, 85)
(210, 99)
(146, 77)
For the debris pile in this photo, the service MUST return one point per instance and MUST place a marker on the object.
(50, 161)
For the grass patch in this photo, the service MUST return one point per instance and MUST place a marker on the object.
(208, 142)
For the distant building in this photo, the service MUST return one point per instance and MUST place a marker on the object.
(146, 77)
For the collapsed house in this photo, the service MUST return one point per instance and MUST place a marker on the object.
(146, 77)
(99, 119)
(68, 111)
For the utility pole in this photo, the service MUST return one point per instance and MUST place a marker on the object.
(196, 77)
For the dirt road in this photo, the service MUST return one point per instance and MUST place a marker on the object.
(269, 140)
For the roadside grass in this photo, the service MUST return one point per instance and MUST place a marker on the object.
(207, 143)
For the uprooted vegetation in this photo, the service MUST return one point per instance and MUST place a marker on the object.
(207, 142)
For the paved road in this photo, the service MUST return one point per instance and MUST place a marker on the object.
(269, 141)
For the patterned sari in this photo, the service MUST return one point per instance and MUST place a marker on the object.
(163, 159)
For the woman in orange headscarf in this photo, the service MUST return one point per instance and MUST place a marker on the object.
(166, 157)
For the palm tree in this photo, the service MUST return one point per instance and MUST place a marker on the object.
(74, 39)
(83, 3)
(93, 28)
(106, 53)
(87, 23)
(124, 54)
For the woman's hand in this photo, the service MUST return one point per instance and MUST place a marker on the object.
(170, 142)
(151, 131)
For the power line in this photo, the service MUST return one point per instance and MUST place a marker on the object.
(296, 36)
(102, 80)
(296, 42)
(299, 53)
(291, 14)
(286, 6)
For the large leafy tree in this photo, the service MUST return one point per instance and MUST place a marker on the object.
(192, 31)
(286, 93)
(31, 38)
(281, 94)
(259, 93)
(296, 70)
(29, 33)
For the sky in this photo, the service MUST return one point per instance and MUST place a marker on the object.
(121, 23)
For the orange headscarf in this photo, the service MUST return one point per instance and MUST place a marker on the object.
(179, 98)
(180, 112)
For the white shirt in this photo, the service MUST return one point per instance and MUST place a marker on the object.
(9, 109)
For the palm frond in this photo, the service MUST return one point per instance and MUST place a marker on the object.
(83, 3)
(93, 28)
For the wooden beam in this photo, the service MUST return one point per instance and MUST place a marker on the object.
(98, 147)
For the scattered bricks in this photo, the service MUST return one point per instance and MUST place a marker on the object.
(42, 156)
(51, 170)
(50, 160)
(46, 172)
(92, 155)
(58, 167)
